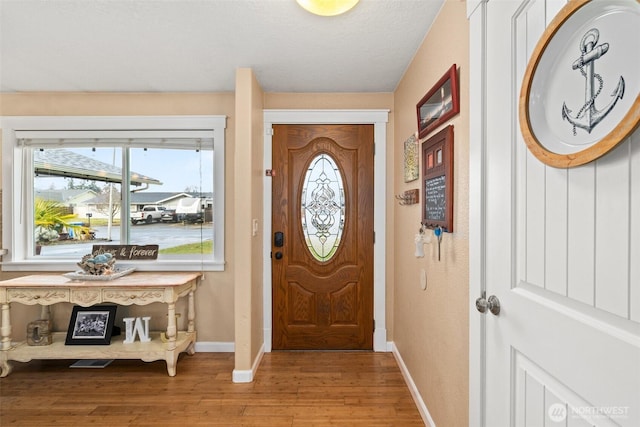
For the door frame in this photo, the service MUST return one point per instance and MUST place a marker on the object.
(379, 119)
(476, 13)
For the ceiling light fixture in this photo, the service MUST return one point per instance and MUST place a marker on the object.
(327, 7)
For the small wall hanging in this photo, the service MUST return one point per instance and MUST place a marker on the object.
(580, 95)
(439, 104)
(411, 168)
(437, 181)
(409, 197)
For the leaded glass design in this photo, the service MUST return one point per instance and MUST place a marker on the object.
(323, 207)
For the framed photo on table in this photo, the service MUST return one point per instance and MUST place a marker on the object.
(91, 325)
(580, 95)
(439, 104)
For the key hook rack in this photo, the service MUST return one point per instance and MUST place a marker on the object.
(431, 226)
(422, 237)
(409, 197)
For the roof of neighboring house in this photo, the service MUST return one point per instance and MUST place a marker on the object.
(61, 162)
(156, 197)
(152, 197)
(62, 196)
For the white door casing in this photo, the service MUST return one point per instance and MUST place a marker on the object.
(558, 247)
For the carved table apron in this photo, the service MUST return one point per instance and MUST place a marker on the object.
(134, 289)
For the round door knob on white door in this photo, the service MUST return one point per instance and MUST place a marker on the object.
(492, 304)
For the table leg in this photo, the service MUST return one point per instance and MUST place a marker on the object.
(45, 312)
(172, 360)
(5, 367)
(191, 312)
(5, 330)
(171, 326)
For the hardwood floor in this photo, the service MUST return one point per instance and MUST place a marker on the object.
(290, 389)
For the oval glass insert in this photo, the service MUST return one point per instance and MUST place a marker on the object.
(322, 207)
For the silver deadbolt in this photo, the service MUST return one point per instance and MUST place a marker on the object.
(492, 304)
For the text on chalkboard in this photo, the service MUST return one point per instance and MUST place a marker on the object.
(435, 197)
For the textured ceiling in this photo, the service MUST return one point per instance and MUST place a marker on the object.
(196, 45)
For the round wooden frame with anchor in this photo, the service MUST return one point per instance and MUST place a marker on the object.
(580, 95)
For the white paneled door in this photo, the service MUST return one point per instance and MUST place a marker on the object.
(559, 248)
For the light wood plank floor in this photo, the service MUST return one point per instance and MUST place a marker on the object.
(290, 389)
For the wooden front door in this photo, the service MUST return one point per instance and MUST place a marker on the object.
(322, 243)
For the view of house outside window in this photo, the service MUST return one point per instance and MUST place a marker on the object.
(79, 201)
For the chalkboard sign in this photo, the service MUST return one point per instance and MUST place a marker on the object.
(437, 180)
(436, 200)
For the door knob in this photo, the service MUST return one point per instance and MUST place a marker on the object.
(492, 304)
(278, 255)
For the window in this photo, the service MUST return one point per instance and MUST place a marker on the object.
(77, 182)
(323, 207)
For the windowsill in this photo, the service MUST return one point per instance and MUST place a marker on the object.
(68, 265)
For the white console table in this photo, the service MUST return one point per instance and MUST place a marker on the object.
(133, 289)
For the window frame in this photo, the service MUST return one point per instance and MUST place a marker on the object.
(16, 209)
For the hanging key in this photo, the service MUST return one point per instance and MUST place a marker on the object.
(438, 232)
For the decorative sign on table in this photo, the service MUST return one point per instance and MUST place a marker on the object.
(437, 180)
(129, 252)
(136, 326)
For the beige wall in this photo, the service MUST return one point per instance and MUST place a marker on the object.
(257, 208)
(431, 326)
(248, 200)
(118, 104)
(214, 308)
(318, 101)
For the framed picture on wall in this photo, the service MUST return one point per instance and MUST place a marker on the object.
(411, 167)
(437, 180)
(439, 104)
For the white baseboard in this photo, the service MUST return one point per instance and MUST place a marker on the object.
(267, 335)
(417, 398)
(247, 376)
(242, 376)
(380, 343)
(215, 347)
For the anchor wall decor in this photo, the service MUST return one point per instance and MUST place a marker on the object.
(589, 116)
(569, 119)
